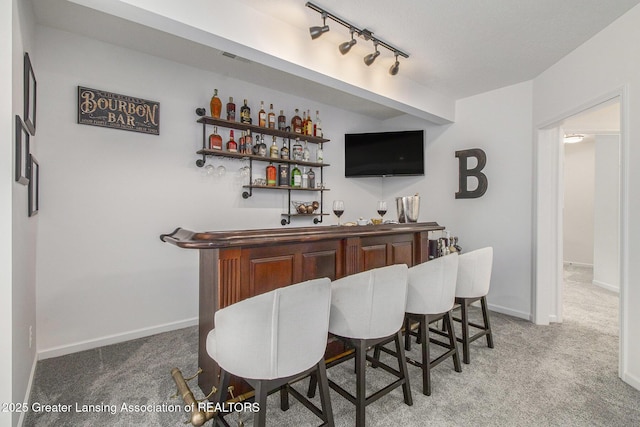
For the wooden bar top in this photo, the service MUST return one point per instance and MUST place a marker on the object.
(237, 238)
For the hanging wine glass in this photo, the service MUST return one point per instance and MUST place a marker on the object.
(338, 209)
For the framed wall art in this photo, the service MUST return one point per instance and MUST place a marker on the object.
(22, 152)
(34, 185)
(30, 95)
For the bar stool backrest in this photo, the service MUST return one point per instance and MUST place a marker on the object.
(474, 273)
(275, 334)
(432, 285)
(370, 304)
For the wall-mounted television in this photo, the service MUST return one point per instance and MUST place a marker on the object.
(384, 154)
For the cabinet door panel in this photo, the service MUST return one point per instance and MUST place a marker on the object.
(267, 274)
(319, 264)
(373, 256)
(402, 253)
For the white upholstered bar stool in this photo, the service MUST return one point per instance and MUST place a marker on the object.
(474, 278)
(368, 308)
(272, 339)
(431, 295)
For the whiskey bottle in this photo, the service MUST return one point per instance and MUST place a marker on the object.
(274, 151)
(232, 146)
(242, 144)
(272, 174)
(282, 121)
(215, 140)
(297, 150)
(271, 117)
(296, 177)
(262, 116)
(306, 154)
(248, 143)
(245, 113)
(304, 123)
(215, 105)
(284, 151)
(317, 127)
(296, 123)
(262, 147)
(231, 110)
(283, 175)
(309, 127)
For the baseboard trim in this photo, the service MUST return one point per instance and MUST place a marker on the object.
(510, 312)
(631, 380)
(29, 385)
(114, 339)
(606, 286)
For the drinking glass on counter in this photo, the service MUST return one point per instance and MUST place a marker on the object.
(382, 208)
(338, 209)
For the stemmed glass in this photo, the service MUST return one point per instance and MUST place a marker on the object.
(338, 209)
(382, 208)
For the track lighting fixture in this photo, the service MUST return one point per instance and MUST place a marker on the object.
(346, 46)
(318, 31)
(395, 67)
(363, 33)
(372, 56)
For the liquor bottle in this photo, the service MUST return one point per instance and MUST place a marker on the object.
(272, 175)
(296, 123)
(297, 150)
(215, 140)
(231, 110)
(317, 126)
(242, 144)
(305, 179)
(306, 154)
(232, 146)
(245, 113)
(309, 127)
(262, 116)
(274, 151)
(312, 178)
(283, 175)
(296, 177)
(262, 147)
(215, 105)
(304, 123)
(282, 121)
(271, 117)
(248, 143)
(319, 154)
(284, 151)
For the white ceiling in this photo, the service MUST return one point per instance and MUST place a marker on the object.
(457, 48)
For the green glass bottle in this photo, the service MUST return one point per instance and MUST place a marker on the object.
(296, 177)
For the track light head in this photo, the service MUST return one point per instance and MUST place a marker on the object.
(317, 31)
(372, 56)
(395, 67)
(346, 46)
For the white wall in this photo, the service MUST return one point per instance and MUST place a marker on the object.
(579, 190)
(603, 65)
(6, 189)
(24, 229)
(606, 212)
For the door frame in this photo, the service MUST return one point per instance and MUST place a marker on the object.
(547, 211)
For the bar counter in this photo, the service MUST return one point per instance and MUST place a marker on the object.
(239, 264)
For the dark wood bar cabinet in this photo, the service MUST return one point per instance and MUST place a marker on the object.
(235, 265)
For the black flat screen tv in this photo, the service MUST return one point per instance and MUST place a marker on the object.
(384, 154)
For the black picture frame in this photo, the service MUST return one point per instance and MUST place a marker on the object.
(30, 95)
(22, 152)
(34, 185)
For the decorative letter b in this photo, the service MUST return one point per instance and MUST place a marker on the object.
(465, 173)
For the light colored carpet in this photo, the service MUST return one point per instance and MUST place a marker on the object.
(558, 375)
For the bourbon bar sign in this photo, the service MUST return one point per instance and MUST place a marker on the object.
(112, 110)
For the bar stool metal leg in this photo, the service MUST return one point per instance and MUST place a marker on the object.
(485, 317)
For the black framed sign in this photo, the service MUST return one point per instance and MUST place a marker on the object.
(30, 95)
(22, 152)
(112, 110)
(34, 185)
